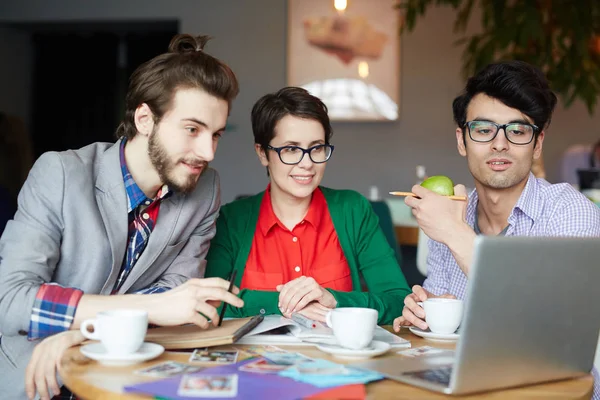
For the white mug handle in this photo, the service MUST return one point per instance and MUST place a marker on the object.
(328, 320)
(84, 329)
(420, 304)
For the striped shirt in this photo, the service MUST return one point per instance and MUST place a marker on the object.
(543, 209)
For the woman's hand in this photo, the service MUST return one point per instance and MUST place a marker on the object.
(316, 312)
(300, 292)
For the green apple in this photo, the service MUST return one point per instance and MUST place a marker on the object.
(439, 184)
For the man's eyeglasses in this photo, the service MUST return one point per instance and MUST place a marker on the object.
(516, 132)
(292, 155)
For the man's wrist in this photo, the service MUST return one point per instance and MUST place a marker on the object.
(149, 303)
(90, 305)
(463, 234)
(461, 246)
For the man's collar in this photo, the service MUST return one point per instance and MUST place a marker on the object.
(527, 200)
(525, 203)
(472, 207)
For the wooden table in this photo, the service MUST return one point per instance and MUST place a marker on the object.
(91, 380)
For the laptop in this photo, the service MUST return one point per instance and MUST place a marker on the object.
(529, 318)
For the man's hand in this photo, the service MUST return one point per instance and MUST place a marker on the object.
(438, 216)
(40, 374)
(194, 302)
(412, 313)
(298, 293)
(315, 311)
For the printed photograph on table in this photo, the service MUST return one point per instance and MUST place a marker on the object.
(208, 386)
(347, 52)
(263, 366)
(213, 356)
(285, 358)
(420, 351)
(166, 369)
(317, 367)
(258, 351)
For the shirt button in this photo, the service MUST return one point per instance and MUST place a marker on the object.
(262, 311)
(147, 202)
(297, 269)
(145, 216)
(294, 239)
(137, 256)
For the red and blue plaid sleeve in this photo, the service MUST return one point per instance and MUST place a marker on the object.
(53, 310)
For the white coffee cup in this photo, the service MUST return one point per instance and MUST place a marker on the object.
(121, 332)
(353, 327)
(443, 315)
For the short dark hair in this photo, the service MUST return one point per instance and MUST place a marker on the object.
(184, 66)
(272, 107)
(517, 84)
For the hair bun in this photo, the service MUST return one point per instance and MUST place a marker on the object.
(184, 43)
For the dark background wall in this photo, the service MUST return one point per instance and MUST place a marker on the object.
(251, 37)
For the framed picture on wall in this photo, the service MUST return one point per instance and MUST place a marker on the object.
(347, 52)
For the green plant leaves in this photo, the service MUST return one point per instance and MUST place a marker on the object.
(561, 37)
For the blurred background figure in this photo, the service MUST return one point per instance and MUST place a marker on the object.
(15, 161)
(579, 157)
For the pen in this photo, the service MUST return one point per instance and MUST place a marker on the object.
(304, 321)
(231, 280)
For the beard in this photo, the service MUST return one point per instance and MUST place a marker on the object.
(166, 168)
(501, 182)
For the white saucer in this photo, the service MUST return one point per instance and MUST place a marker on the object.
(374, 349)
(442, 337)
(96, 351)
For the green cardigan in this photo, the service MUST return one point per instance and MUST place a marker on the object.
(360, 236)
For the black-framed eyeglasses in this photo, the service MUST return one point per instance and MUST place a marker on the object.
(292, 155)
(515, 132)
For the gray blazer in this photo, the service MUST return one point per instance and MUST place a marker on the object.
(71, 228)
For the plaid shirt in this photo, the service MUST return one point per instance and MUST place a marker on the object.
(143, 214)
(54, 306)
(542, 210)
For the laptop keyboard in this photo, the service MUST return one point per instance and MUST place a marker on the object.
(438, 375)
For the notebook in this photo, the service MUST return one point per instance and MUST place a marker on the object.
(278, 330)
(192, 336)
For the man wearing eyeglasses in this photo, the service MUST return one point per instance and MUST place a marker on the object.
(298, 246)
(501, 116)
(501, 119)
